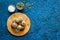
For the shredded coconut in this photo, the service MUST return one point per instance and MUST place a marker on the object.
(11, 8)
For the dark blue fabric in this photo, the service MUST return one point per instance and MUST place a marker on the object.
(44, 17)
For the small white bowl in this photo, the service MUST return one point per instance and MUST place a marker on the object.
(11, 8)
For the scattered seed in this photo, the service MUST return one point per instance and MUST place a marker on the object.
(28, 4)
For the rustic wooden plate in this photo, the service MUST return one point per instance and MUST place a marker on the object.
(9, 22)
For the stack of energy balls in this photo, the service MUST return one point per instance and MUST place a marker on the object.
(18, 24)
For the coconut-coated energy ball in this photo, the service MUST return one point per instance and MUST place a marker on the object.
(14, 25)
(23, 23)
(21, 19)
(17, 20)
(19, 27)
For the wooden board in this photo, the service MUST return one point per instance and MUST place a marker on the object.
(16, 15)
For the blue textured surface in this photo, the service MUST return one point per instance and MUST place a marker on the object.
(44, 16)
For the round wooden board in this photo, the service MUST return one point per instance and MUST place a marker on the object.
(16, 15)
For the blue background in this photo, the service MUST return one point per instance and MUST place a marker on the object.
(44, 16)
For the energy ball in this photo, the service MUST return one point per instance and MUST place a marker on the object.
(17, 20)
(14, 25)
(21, 19)
(19, 27)
(22, 28)
(23, 23)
